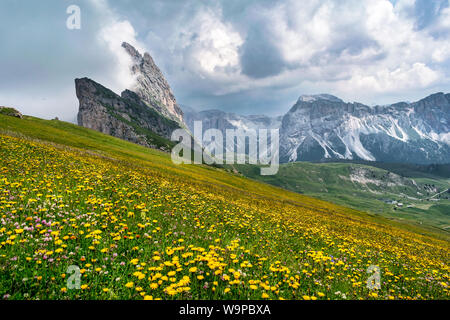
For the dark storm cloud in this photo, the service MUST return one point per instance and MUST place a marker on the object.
(259, 57)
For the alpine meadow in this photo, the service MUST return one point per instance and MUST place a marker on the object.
(140, 227)
(209, 159)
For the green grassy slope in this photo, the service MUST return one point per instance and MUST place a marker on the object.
(409, 170)
(304, 178)
(139, 226)
(369, 188)
(71, 135)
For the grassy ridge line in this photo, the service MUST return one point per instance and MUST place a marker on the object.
(67, 134)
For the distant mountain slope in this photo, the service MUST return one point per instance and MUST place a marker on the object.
(217, 119)
(324, 127)
(421, 198)
(125, 117)
(408, 170)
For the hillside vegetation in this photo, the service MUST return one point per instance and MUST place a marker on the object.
(140, 227)
(409, 195)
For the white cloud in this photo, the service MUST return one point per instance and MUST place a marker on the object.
(323, 45)
(113, 35)
(385, 81)
(210, 46)
(114, 32)
(444, 19)
(404, 5)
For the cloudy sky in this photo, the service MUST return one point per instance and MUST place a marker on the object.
(244, 56)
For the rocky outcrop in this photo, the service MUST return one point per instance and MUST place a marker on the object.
(147, 113)
(151, 86)
(7, 111)
(126, 117)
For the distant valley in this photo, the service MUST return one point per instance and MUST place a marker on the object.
(405, 193)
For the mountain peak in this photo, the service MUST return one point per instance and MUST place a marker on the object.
(324, 127)
(151, 86)
(131, 50)
(318, 97)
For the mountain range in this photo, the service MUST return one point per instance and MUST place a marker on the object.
(324, 127)
(317, 128)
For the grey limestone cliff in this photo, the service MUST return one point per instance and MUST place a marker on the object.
(125, 117)
(151, 86)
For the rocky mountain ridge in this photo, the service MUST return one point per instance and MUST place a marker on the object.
(146, 114)
(12, 112)
(324, 127)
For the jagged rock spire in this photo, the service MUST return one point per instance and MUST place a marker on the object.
(151, 85)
